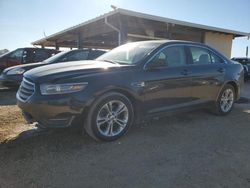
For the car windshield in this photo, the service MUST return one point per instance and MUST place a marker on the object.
(55, 58)
(5, 54)
(243, 61)
(130, 53)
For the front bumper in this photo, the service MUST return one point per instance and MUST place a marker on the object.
(53, 111)
(10, 81)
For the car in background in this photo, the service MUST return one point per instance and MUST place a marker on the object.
(246, 64)
(12, 77)
(24, 56)
(130, 83)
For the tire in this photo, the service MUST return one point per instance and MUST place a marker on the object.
(225, 102)
(110, 117)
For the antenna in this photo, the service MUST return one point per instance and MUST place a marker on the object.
(44, 34)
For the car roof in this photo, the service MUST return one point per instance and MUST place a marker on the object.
(88, 49)
(183, 42)
(83, 49)
(173, 42)
(30, 48)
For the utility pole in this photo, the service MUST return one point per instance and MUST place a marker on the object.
(248, 37)
(247, 52)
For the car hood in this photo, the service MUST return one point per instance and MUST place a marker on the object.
(69, 70)
(26, 67)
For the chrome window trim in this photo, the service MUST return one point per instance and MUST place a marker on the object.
(184, 45)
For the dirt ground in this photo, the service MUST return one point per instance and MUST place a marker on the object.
(195, 149)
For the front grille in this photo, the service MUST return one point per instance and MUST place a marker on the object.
(26, 90)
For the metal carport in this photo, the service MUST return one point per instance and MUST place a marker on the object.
(120, 26)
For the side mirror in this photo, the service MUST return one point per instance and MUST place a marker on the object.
(157, 63)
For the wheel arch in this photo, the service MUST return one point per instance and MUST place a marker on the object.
(132, 97)
(235, 86)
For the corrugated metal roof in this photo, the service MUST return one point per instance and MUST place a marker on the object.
(183, 23)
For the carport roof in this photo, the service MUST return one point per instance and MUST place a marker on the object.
(70, 36)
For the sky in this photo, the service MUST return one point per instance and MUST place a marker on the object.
(24, 21)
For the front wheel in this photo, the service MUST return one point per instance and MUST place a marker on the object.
(225, 101)
(109, 117)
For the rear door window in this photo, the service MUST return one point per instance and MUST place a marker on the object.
(203, 56)
(40, 55)
(200, 56)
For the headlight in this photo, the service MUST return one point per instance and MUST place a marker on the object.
(52, 89)
(15, 71)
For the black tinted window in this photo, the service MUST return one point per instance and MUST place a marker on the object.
(17, 54)
(40, 55)
(242, 61)
(171, 56)
(95, 54)
(76, 56)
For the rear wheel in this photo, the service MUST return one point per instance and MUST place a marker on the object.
(109, 117)
(225, 101)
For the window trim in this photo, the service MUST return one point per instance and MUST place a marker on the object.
(187, 51)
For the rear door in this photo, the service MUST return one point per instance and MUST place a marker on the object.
(208, 71)
(168, 86)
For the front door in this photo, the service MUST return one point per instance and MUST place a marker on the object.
(167, 81)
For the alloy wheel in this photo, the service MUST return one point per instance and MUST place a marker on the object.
(112, 118)
(227, 100)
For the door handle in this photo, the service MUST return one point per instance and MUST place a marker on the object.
(221, 70)
(138, 84)
(185, 72)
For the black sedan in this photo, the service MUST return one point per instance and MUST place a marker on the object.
(246, 64)
(128, 84)
(12, 77)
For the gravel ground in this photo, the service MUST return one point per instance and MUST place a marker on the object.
(195, 149)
